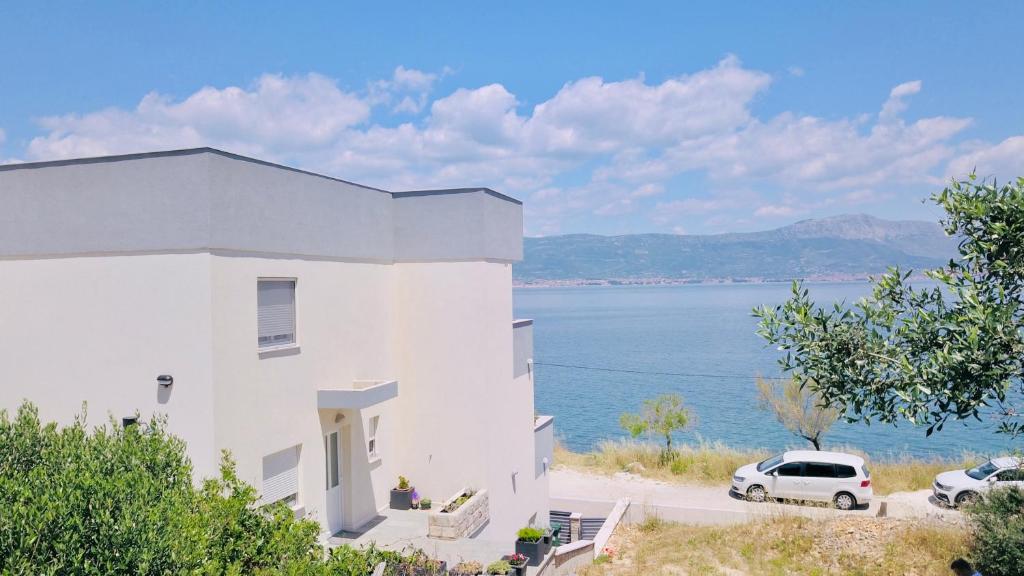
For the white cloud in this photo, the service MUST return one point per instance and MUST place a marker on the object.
(1003, 161)
(594, 147)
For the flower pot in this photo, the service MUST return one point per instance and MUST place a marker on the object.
(401, 499)
(533, 550)
(519, 570)
(547, 542)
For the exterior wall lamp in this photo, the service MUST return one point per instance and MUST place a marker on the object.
(165, 380)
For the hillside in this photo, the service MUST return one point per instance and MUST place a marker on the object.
(840, 247)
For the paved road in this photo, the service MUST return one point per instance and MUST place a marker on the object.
(714, 504)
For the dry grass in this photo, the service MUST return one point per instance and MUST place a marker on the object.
(715, 464)
(784, 545)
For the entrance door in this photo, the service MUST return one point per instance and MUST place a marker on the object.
(332, 481)
(788, 481)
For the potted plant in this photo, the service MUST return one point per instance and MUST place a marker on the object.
(414, 499)
(529, 543)
(425, 504)
(401, 496)
(467, 568)
(499, 567)
(418, 563)
(518, 562)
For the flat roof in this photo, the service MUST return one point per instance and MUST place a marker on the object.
(233, 156)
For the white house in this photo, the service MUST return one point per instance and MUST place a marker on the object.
(331, 336)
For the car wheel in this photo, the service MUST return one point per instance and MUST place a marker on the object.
(845, 501)
(966, 499)
(756, 493)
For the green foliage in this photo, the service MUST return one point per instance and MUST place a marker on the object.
(425, 503)
(997, 522)
(115, 500)
(923, 355)
(454, 504)
(499, 567)
(403, 483)
(663, 416)
(530, 534)
(798, 408)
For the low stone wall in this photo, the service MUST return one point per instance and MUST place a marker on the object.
(467, 520)
(569, 558)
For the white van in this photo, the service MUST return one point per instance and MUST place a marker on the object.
(807, 475)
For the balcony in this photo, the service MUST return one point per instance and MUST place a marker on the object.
(522, 347)
(362, 394)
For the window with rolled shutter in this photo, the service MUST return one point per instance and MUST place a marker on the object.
(275, 302)
(281, 476)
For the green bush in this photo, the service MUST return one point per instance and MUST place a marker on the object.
(530, 534)
(997, 521)
(499, 567)
(116, 500)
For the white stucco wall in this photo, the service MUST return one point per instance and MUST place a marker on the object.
(100, 330)
(267, 402)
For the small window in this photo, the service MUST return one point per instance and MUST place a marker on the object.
(281, 476)
(844, 471)
(275, 303)
(371, 444)
(791, 469)
(819, 470)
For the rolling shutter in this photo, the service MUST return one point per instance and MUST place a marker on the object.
(276, 312)
(281, 475)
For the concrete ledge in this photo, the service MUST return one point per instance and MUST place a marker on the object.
(569, 558)
(363, 394)
(613, 519)
(461, 523)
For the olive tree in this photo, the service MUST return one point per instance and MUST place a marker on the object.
(924, 355)
(663, 416)
(797, 407)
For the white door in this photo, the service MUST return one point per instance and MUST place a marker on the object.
(332, 481)
(788, 481)
(819, 481)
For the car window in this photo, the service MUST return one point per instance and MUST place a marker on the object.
(867, 474)
(769, 463)
(791, 469)
(1011, 475)
(819, 470)
(844, 471)
(983, 471)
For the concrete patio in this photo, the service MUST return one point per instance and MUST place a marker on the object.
(401, 529)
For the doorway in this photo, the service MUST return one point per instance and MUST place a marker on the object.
(332, 481)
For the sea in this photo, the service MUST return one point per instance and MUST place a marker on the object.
(600, 351)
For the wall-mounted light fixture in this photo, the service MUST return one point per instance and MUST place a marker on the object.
(165, 380)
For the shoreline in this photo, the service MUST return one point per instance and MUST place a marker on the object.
(654, 282)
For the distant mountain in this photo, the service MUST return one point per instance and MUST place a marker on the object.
(839, 247)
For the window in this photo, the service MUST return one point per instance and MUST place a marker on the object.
(844, 471)
(1011, 475)
(819, 470)
(281, 476)
(371, 444)
(791, 469)
(769, 463)
(275, 303)
(331, 460)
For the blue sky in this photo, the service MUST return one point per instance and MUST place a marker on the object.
(603, 117)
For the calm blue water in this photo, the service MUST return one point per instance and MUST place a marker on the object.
(694, 330)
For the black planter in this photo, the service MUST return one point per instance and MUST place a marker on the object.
(533, 550)
(401, 499)
(519, 570)
(547, 542)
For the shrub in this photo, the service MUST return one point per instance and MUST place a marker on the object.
(403, 483)
(997, 522)
(530, 534)
(499, 567)
(467, 568)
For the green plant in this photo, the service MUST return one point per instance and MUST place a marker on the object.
(997, 524)
(530, 534)
(663, 415)
(403, 483)
(923, 355)
(425, 504)
(499, 567)
(798, 408)
(454, 504)
(468, 568)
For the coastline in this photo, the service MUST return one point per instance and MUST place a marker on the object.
(815, 279)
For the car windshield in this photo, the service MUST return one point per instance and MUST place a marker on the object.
(983, 471)
(769, 463)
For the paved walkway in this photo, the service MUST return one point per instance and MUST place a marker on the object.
(405, 529)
